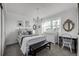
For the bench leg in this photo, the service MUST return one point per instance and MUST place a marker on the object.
(34, 54)
(49, 45)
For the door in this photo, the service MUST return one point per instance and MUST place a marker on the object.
(2, 37)
(0, 30)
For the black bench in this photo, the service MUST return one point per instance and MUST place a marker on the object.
(33, 49)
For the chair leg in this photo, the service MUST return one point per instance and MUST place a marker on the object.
(62, 45)
(70, 49)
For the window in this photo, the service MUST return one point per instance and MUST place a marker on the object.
(56, 25)
(53, 25)
(46, 26)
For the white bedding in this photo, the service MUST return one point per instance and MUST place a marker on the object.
(27, 41)
(20, 37)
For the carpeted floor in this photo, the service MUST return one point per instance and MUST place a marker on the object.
(14, 50)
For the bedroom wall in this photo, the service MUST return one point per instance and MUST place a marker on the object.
(69, 13)
(72, 14)
(11, 26)
(10, 29)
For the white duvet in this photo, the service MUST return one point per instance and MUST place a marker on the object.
(27, 41)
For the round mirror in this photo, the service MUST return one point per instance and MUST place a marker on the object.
(68, 25)
(34, 27)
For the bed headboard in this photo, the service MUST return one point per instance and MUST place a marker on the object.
(24, 32)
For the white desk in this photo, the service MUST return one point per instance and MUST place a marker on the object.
(62, 36)
(73, 38)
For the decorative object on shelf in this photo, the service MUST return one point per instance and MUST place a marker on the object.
(20, 23)
(34, 27)
(68, 25)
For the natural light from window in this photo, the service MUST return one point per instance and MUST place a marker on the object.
(51, 25)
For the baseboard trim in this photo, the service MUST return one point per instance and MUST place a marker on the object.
(11, 44)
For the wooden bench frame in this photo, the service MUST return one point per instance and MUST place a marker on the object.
(33, 52)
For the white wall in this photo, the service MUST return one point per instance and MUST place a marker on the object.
(72, 14)
(11, 30)
(11, 26)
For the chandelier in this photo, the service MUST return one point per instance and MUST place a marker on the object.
(37, 15)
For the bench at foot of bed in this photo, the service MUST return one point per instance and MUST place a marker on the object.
(33, 49)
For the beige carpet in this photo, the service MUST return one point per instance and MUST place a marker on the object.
(14, 50)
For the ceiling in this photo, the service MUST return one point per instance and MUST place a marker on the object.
(45, 9)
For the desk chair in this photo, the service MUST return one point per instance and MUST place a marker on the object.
(67, 41)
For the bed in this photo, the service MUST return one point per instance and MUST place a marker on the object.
(26, 41)
(22, 33)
